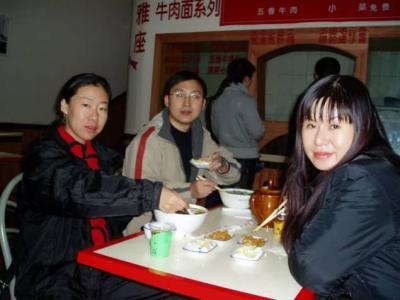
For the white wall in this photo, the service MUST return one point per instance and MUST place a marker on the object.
(49, 41)
(140, 83)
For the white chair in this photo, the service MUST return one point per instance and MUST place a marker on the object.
(4, 230)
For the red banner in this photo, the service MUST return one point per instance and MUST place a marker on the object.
(234, 12)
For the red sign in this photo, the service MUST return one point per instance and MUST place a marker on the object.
(234, 12)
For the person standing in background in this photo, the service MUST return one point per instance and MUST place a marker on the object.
(326, 66)
(235, 121)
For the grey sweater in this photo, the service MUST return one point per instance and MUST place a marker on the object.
(236, 123)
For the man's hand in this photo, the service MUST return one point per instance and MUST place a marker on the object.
(202, 188)
(171, 201)
(218, 163)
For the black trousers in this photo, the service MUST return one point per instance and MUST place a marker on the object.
(117, 288)
(111, 288)
(247, 173)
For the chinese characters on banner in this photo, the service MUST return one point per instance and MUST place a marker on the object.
(217, 62)
(334, 35)
(235, 12)
(351, 35)
(273, 37)
(166, 11)
(187, 56)
(220, 54)
(181, 56)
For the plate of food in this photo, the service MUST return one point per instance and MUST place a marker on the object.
(200, 163)
(200, 245)
(248, 253)
(220, 235)
(252, 240)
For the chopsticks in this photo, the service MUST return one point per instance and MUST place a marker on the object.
(203, 178)
(273, 215)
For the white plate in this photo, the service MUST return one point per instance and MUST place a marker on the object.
(248, 253)
(200, 245)
(200, 164)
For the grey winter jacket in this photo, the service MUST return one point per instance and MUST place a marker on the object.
(236, 123)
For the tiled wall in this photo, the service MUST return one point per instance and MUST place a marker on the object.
(384, 75)
(288, 75)
(384, 81)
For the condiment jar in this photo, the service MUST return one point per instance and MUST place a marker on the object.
(279, 222)
(263, 202)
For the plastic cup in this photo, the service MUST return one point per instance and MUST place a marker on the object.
(160, 239)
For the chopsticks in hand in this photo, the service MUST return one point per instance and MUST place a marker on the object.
(273, 215)
(203, 178)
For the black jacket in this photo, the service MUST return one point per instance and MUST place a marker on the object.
(57, 196)
(352, 245)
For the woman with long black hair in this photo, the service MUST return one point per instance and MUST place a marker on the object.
(342, 231)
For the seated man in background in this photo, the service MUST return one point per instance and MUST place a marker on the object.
(162, 150)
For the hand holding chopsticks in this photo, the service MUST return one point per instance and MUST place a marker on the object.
(273, 215)
(203, 178)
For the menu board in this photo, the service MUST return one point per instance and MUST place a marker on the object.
(239, 12)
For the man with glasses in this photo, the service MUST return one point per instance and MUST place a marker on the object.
(163, 149)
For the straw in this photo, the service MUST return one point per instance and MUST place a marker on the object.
(273, 215)
(203, 178)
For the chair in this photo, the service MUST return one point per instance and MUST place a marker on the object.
(4, 230)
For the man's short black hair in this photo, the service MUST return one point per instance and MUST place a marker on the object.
(326, 66)
(183, 76)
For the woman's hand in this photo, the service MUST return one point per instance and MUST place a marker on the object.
(171, 201)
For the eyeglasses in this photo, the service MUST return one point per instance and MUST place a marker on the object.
(193, 96)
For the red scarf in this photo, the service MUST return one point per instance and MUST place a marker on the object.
(99, 231)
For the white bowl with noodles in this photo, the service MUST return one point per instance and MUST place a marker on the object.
(186, 223)
(235, 197)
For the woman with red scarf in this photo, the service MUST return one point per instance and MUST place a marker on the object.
(70, 199)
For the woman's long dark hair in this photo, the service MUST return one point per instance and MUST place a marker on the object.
(350, 98)
(236, 71)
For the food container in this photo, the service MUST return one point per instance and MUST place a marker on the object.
(160, 238)
(235, 198)
(185, 223)
(248, 253)
(279, 223)
(263, 202)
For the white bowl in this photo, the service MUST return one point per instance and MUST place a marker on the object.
(236, 198)
(184, 222)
